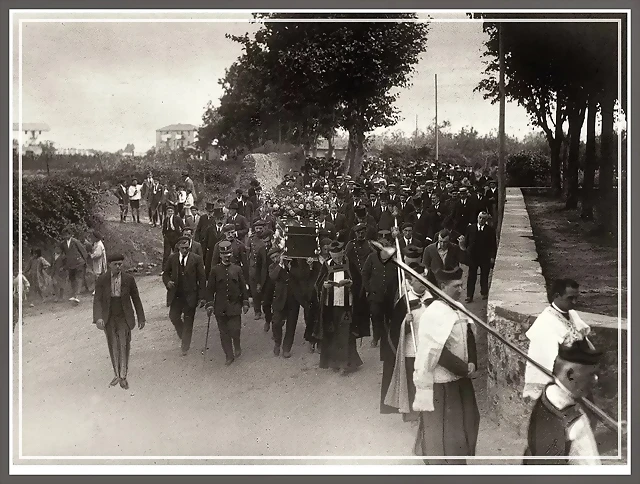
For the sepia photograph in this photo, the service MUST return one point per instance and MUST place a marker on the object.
(320, 239)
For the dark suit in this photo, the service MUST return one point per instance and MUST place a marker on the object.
(123, 201)
(171, 236)
(435, 220)
(201, 229)
(241, 224)
(406, 210)
(196, 248)
(433, 262)
(258, 271)
(227, 294)
(462, 215)
(420, 224)
(386, 221)
(75, 257)
(340, 223)
(212, 236)
(491, 204)
(481, 248)
(381, 283)
(328, 227)
(188, 288)
(241, 206)
(117, 314)
(415, 241)
(375, 211)
(289, 295)
(479, 205)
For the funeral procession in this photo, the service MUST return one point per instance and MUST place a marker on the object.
(284, 280)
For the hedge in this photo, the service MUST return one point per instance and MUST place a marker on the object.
(528, 169)
(51, 204)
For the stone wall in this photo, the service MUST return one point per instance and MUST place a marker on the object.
(518, 294)
(271, 168)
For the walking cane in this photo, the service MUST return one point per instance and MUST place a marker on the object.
(387, 254)
(206, 340)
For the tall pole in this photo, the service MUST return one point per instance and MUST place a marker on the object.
(501, 136)
(437, 119)
(416, 136)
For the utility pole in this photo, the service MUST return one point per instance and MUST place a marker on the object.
(416, 135)
(502, 190)
(437, 120)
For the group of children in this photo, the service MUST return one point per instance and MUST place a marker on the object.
(41, 278)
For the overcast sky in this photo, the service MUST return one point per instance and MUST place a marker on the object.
(103, 85)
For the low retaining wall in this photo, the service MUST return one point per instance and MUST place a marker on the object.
(518, 294)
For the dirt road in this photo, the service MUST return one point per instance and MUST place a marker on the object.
(185, 406)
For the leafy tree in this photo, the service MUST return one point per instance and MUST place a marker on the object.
(575, 66)
(308, 79)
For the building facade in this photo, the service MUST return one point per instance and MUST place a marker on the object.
(31, 133)
(175, 136)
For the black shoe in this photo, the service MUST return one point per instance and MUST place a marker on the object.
(228, 361)
(238, 352)
(115, 381)
(469, 299)
(286, 354)
(267, 327)
(276, 350)
(124, 384)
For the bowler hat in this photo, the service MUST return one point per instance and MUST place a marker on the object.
(115, 258)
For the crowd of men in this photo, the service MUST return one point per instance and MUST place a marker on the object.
(440, 217)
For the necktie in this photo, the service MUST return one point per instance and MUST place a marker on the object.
(183, 261)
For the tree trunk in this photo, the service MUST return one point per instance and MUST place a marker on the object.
(590, 160)
(351, 151)
(556, 148)
(608, 200)
(314, 149)
(576, 120)
(502, 189)
(279, 132)
(356, 164)
(331, 147)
